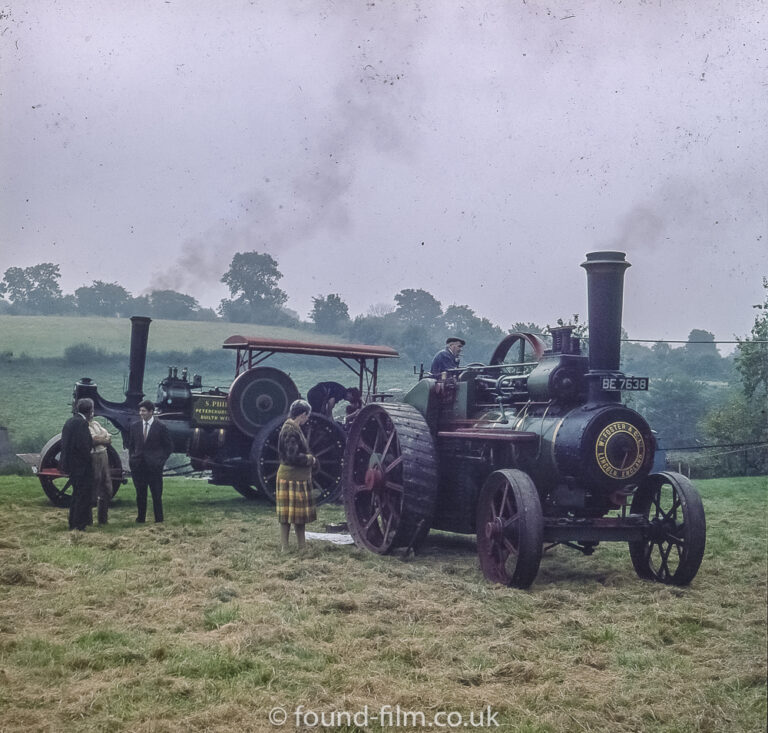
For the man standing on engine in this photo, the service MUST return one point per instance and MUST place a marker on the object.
(149, 446)
(448, 358)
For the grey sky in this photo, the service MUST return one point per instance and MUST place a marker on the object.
(477, 150)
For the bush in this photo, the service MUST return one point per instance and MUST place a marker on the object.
(84, 354)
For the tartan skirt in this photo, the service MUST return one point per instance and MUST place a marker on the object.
(293, 496)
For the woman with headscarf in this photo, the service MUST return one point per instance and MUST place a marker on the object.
(295, 503)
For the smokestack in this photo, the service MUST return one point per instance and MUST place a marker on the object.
(605, 295)
(137, 359)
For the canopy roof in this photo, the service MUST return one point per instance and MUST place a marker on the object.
(349, 351)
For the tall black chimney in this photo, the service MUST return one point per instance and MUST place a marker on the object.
(605, 295)
(137, 359)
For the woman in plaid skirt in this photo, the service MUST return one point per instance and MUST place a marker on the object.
(295, 503)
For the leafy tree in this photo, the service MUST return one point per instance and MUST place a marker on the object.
(173, 305)
(66, 305)
(329, 313)
(752, 356)
(102, 299)
(139, 306)
(674, 408)
(527, 327)
(744, 417)
(701, 356)
(33, 289)
(419, 343)
(206, 314)
(369, 330)
(417, 308)
(459, 320)
(738, 421)
(252, 281)
(638, 360)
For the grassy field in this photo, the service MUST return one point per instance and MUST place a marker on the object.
(48, 336)
(201, 624)
(38, 383)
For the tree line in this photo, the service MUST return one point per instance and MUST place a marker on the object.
(415, 322)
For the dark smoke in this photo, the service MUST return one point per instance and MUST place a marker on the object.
(373, 100)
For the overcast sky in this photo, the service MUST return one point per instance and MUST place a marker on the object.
(477, 150)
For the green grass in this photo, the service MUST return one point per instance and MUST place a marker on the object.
(202, 624)
(39, 401)
(48, 336)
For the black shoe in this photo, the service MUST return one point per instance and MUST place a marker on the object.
(139, 520)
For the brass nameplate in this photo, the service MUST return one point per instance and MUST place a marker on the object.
(210, 410)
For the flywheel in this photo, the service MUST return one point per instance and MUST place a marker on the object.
(258, 396)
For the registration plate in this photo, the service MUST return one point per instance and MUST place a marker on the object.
(631, 384)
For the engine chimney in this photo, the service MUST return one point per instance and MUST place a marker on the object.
(605, 295)
(137, 360)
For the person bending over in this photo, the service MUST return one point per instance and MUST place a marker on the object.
(325, 395)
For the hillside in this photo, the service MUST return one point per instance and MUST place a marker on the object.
(49, 336)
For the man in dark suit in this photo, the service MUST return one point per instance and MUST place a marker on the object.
(149, 446)
(75, 459)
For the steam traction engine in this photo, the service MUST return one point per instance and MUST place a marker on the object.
(232, 433)
(533, 448)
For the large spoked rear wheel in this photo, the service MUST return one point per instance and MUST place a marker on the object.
(673, 548)
(326, 439)
(510, 528)
(389, 478)
(57, 485)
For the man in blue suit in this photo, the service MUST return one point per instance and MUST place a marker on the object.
(448, 358)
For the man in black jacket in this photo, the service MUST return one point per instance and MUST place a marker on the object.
(75, 459)
(448, 358)
(149, 446)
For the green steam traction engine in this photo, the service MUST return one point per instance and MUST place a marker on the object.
(533, 448)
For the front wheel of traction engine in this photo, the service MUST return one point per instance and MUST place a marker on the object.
(673, 547)
(389, 478)
(510, 528)
(57, 485)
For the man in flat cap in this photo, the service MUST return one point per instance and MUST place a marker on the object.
(448, 358)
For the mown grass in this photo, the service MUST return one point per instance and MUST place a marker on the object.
(202, 624)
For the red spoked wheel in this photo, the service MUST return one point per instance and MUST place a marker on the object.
(519, 353)
(673, 548)
(510, 528)
(57, 485)
(389, 478)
